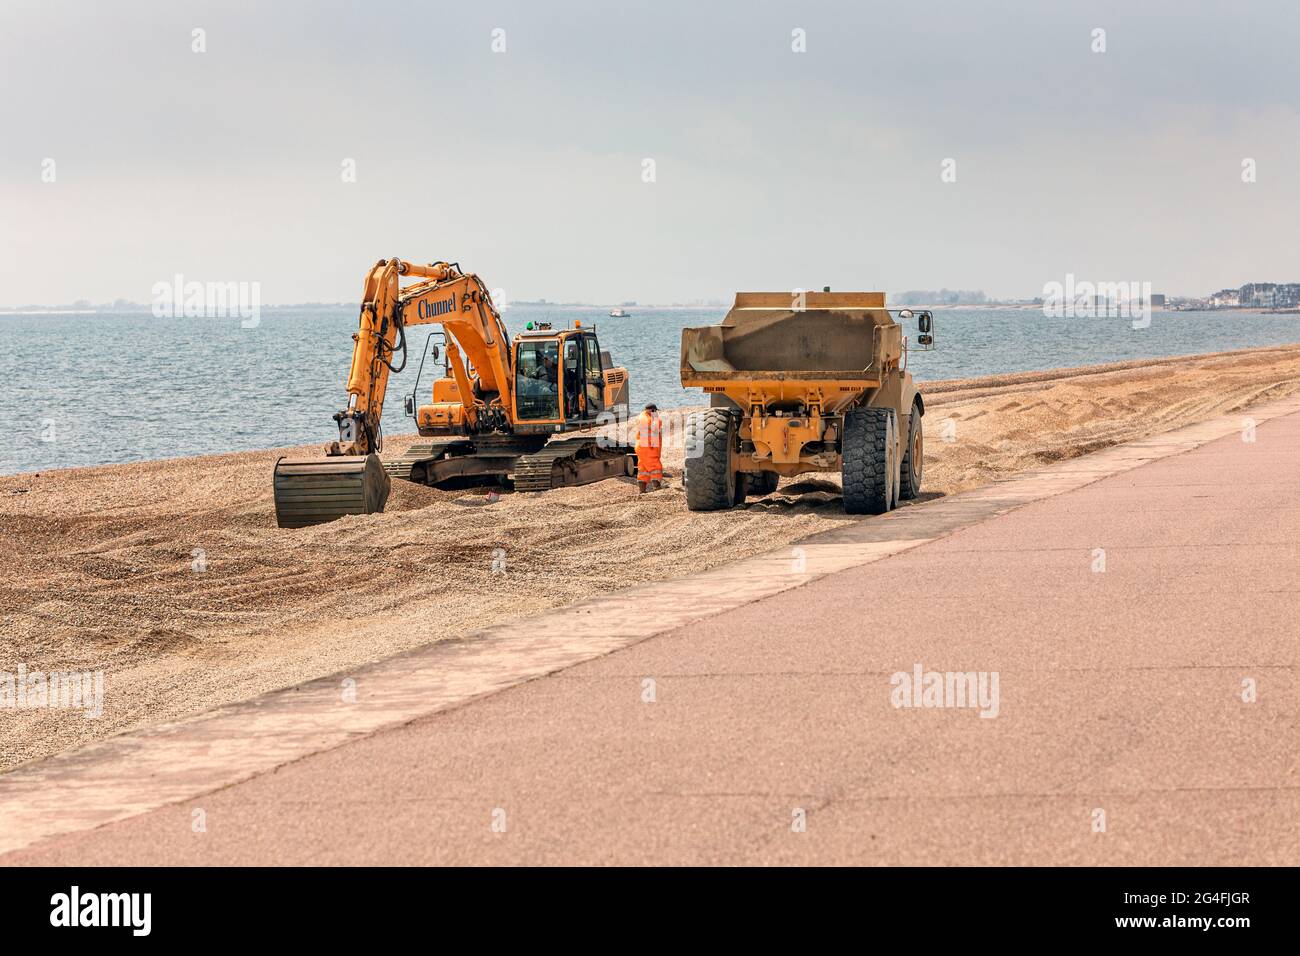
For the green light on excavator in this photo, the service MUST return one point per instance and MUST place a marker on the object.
(529, 326)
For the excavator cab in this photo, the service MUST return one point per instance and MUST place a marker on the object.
(560, 379)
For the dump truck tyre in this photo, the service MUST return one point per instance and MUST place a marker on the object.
(913, 455)
(711, 485)
(869, 460)
(896, 476)
(896, 453)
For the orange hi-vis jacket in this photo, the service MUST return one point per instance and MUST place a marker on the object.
(649, 440)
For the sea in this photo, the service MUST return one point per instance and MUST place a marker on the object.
(112, 387)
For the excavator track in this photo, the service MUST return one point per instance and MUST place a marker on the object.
(572, 461)
(421, 453)
(484, 457)
(529, 462)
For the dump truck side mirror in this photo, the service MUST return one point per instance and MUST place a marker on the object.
(925, 328)
(924, 325)
(410, 406)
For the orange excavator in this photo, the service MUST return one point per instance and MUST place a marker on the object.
(492, 414)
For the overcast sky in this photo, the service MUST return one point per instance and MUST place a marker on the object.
(773, 169)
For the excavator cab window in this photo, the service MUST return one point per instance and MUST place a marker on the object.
(537, 379)
(573, 378)
(433, 346)
(595, 377)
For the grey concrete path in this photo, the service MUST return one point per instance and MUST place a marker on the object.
(1125, 603)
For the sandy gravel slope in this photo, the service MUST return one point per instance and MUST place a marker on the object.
(173, 579)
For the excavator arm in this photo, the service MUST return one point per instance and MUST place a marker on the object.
(444, 295)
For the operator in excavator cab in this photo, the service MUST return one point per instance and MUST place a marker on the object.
(546, 370)
(649, 443)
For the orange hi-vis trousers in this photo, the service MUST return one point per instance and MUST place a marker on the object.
(649, 439)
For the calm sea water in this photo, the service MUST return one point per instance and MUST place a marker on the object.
(124, 387)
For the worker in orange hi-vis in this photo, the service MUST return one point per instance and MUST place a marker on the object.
(649, 441)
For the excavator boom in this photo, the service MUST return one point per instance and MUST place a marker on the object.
(461, 304)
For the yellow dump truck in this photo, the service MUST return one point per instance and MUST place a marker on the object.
(806, 382)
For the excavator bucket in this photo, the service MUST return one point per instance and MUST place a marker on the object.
(315, 490)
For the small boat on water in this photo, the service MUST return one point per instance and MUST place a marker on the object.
(619, 314)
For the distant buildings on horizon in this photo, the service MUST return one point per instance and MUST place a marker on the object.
(1252, 295)
(941, 297)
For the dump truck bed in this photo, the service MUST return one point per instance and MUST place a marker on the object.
(841, 343)
(802, 382)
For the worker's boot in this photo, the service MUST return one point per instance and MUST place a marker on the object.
(641, 487)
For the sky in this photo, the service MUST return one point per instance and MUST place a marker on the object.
(773, 168)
